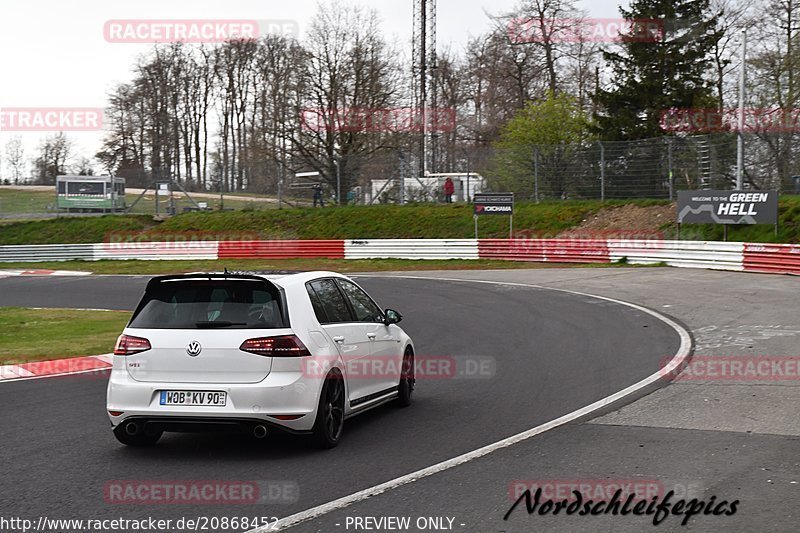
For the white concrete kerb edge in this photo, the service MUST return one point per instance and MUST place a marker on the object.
(682, 354)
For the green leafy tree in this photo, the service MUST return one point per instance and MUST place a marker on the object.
(664, 63)
(542, 149)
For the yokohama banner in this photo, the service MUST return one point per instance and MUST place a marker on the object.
(494, 203)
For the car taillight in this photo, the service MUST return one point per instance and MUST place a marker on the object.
(284, 346)
(129, 345)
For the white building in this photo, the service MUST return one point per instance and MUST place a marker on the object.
(430, 188)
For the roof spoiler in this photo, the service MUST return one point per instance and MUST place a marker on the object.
(199, 275)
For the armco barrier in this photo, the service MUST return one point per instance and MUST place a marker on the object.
(545, 250)
(753, 257)
(775, 258)
(331, 249)
(46, 252)
(411, 249)
(687, 254)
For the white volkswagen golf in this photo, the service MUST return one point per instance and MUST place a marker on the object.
(299, 352)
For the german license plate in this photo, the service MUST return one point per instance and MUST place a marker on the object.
(196, 398)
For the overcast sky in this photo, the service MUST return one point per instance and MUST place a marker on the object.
(53, 52)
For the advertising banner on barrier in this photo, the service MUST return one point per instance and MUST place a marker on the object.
(727, 207)
(494, 203)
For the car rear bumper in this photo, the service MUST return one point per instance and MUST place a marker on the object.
(194, 424)
(281, 394)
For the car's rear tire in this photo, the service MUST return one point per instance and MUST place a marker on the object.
(405, 389)
(330, 412)
(142, 437)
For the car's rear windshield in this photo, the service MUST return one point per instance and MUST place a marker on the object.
(199, 304)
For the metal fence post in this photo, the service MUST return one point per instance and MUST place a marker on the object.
(602, 171)
(402, 179)
(669, 169)
(536, 173)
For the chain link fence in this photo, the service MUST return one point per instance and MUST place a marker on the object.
(649, 168)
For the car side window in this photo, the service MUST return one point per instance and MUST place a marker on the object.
(319, 311)
(331, 300)
(363, 306)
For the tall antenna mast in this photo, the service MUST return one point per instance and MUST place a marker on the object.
(424, 78)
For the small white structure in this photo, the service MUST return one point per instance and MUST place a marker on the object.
(429, 188)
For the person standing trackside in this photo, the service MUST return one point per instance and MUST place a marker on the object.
(449, 189)
(318, 195)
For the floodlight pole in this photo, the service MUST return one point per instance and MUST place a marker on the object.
(740, 136)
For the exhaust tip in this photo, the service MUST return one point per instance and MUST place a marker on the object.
(260, 431)
(131, 428)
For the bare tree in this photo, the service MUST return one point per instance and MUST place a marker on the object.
(126, 144)
(775, 67)
(82, 166)
(733, 16)
(278, 88)
(15, 157)
(197, 97)
(350, 71)
(551, 26)
(54, 151)
(235, 68)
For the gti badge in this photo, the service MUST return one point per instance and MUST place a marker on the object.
(194, 349)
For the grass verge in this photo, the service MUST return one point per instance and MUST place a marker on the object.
(354, 222)
(430, 221)
(41, 334)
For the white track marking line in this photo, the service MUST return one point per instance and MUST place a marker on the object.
(683, 352)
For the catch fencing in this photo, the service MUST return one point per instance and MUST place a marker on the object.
(645, 168)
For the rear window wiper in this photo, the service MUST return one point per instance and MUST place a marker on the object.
(218, 324)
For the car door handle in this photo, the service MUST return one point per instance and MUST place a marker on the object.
(371, 336)
(339, 339)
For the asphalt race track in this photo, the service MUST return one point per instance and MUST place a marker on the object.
(552, 353)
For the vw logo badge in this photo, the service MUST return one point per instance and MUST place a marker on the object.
(194, 349)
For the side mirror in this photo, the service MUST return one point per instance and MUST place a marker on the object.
(392, 317)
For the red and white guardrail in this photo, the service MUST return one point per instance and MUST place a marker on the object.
(751, 257)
